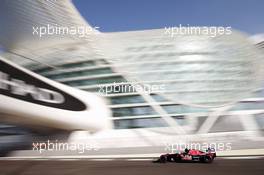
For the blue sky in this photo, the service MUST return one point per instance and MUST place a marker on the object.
(124, 15)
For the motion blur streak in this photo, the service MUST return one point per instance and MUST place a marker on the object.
(221, 166)
(196, 69)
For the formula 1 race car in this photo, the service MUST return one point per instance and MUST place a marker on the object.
(189, 155)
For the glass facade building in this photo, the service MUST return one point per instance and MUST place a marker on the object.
(100, 62)
(81, 68)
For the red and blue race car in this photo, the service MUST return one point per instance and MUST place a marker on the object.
(189, 155)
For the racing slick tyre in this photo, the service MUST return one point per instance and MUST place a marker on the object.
(163, 159)
(207, 159)
(177, 158)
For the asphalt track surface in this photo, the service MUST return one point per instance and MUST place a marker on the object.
(125, 167)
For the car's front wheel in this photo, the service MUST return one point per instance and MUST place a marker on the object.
(208, 159)
(177, 158)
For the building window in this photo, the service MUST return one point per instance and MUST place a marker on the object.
(133, 111)
(78, 64)
(257, 105)
(81, 73)
(96, 81)
(181, 109)
(139, 123)
(127, 99)
(260, 120)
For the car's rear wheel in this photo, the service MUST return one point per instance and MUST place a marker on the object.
(163, 159)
